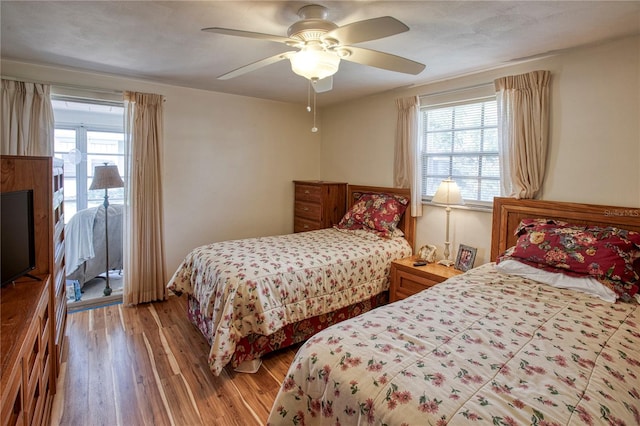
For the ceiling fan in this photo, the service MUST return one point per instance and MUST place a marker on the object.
(322, 44)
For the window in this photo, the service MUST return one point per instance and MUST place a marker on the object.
(87, 134)
(460, 140)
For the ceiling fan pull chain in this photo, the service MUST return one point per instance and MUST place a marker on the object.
(314, 128)
(309, 97)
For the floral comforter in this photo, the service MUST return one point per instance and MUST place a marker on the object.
(259, 285)
(482, 347)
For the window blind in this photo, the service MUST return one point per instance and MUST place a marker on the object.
(460, 140)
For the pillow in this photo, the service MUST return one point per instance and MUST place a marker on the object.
(377, 213)
(584, 284)
(610, 255)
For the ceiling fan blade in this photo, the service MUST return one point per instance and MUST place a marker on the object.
(386, 61)
(323, 85)
(255, 65)
(369, 29)
(250, 34)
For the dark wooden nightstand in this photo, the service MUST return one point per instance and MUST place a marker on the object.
(407, 279)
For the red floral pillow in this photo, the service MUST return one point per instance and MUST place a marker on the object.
(378, 213)
(609, 254)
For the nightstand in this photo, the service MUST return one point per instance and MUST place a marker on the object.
(407, 279)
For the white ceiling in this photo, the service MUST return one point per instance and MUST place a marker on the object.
(161, 41)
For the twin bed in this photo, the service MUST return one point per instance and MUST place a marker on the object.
(251, 297)
(487, 346)
(484, 347)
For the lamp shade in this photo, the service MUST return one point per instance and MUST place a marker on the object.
(448, 193)
(105, 177)
(313, 62)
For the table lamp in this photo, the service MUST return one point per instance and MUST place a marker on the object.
(448, 194)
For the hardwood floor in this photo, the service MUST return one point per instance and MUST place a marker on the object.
(147, 365)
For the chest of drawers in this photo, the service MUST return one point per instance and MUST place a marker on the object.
(318, 204)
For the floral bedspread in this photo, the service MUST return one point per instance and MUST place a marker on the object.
(482, 348)
(259, 285)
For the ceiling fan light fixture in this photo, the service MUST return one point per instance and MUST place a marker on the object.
(313, 62)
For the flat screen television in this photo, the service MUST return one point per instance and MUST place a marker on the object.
(17, 234)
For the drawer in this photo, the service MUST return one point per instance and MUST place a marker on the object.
(310, 193)
(302, 225)
(306, 210)
(407, 284)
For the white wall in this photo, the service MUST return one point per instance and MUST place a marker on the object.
(229, 161)
(594, 137)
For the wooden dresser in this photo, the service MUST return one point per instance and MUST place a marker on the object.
(318, 204)
(34, 313)
(27, 352)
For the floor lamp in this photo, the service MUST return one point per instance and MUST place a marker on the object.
(106, 177)
(448, 194)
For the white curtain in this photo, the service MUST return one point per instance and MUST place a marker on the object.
(144, 254)
(523, 131)
(26, 119)
(407, 165)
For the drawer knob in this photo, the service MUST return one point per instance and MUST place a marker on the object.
(306, 226)
(306, 209)
(306, 191)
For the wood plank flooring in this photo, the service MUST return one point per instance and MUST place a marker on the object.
(147, 365)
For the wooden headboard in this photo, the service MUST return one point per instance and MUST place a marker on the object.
(407, 222)
(508, 212)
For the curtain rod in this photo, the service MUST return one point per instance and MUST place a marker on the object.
(460, 89)
(72, 87)
(66, 86)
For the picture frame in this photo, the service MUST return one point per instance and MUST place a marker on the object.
(465, 258)
(427, 253)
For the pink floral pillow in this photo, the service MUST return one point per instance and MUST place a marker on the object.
(609, 254)
(378, 213)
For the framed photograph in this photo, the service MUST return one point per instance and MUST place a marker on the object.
(465, 258)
